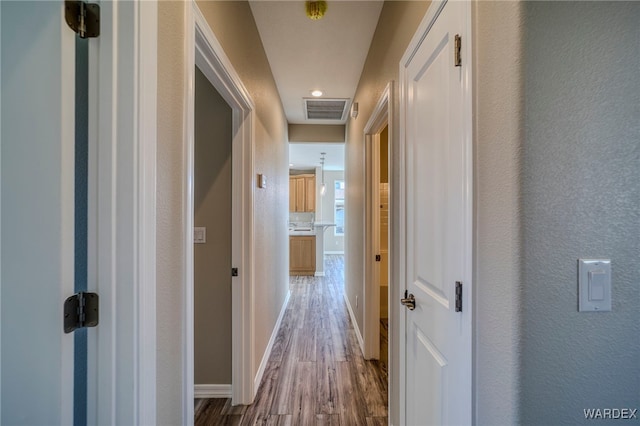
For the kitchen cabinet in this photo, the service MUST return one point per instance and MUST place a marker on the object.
(302, 255)
(302, 193)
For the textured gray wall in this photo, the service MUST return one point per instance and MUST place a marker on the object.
(580, 198)
(212, 260)
(498, 130)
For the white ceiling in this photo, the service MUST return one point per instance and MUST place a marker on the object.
(307, 155)
(304, 55)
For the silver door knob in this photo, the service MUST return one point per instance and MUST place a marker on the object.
(409, 302)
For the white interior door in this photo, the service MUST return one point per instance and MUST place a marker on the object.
(37, 212)
(37, 141)
(437, 348)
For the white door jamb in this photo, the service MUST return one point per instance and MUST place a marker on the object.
(121, 382)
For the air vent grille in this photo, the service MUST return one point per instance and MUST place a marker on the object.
(325, 109)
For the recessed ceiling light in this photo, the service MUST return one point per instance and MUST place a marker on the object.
(316, 93)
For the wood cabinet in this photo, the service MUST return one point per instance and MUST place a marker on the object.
(302, 255)
(292, 194)
(302, 193)
(310, 194)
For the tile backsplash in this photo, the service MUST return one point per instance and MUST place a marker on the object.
(301, 217)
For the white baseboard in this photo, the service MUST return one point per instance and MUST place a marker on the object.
(212, 391)
(354, 322)
(319, 274)
(267, 352)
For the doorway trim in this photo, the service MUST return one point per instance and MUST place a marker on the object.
(383, 114)
(379, 119)
(205, 51)
(121, 381)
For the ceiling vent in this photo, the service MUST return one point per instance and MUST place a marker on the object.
(325, 109)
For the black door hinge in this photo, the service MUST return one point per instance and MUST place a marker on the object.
(81, 310)
(458, 296)
(457, 58)
(378, 258)
(234, 272)
(83, 18)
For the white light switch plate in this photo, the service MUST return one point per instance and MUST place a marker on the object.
(594, 285)
(262, 181)
(199, 235)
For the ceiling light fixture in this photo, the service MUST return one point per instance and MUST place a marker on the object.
(316, 9)
(316, 93)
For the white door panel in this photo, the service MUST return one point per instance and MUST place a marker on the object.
(438, 337)
(37, 228)
(431, 372)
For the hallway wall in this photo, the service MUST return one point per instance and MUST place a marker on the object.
(556, 178)
(233, 25)
(580, 199)
(397, 24)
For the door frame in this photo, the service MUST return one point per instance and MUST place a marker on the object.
(205, 51)
(371, 291)
(383, 114)
(121, 382)
(380, 117)
(469, 255)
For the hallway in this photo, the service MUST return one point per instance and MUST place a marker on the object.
(316, 374)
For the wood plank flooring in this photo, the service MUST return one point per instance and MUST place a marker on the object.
(316, 374)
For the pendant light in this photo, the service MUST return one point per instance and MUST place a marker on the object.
(323, 188)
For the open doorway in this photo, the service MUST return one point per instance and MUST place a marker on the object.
(383, 244)
(209, 58)
(378, 284)
(316, 206)
(212, 241)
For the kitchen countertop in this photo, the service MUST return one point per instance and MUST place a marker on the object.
(310, 230)
(327, 224)
(298, 233)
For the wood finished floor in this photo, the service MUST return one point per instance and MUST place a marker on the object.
(316, 374)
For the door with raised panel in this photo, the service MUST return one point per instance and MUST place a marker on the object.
(37, 230)
(437, 349)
